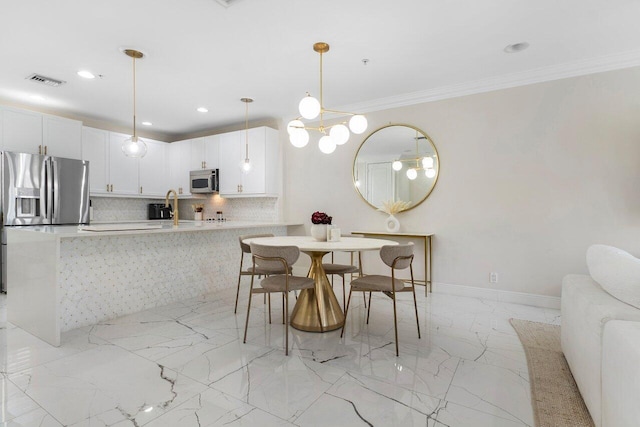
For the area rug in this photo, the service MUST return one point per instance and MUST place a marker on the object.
(555, 396)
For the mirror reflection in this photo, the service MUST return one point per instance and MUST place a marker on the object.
(396, 163)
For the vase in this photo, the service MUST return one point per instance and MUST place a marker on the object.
(198, 216)
(319, 232)
(392, 224)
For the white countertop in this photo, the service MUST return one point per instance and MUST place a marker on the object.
(146, 227)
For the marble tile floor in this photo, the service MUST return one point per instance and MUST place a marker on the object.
(185, 365)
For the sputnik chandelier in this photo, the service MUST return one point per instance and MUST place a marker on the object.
(310, 108)
(416, 164)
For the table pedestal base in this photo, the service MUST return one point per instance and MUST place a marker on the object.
(317, 310)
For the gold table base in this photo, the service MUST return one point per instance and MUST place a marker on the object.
(317, 310)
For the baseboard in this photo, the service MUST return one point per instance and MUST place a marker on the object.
(543, 301)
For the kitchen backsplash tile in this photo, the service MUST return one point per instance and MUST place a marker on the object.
(240, 209)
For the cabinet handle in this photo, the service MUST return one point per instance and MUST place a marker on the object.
(140, 189)
(39, 149)
(180, 190)
(112, 188)
(107, 188)
(45, 150)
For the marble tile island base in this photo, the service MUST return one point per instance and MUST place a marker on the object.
(61, 278)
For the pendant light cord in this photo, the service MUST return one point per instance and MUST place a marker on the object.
(135, 136)
(246, 128)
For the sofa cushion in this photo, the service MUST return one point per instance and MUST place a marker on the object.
(617, 271)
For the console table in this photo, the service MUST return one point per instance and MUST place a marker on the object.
(426, 238)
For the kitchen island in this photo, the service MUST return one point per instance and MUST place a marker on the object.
(65, 277)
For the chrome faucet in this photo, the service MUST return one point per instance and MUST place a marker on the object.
(175, 205)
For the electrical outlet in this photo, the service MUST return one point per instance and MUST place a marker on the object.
(493, 277)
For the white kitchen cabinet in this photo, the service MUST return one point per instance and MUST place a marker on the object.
(95, 149)
(21, 130)
(196, 154)
(264, 177)
(61, 137)
(123, 170)
(179, 153)
(211, 152)
(153, 174)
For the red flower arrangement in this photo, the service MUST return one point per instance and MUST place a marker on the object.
(321, 218)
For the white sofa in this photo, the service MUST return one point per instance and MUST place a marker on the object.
(591, 342)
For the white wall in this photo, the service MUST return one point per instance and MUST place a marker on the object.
(529, 178)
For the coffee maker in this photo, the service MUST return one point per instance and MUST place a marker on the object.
(160, 211)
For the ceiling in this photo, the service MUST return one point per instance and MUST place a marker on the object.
(201, 53)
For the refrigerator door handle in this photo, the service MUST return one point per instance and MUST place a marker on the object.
(54, 183)
(48, 189)
(45, 192)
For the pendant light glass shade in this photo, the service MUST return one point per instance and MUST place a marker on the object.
(427, 162)
(358, 124)
(412, 174)
(134, 146)
(430, 173)
(339, 134)
(397, 165)
(326, 144)
(311, 108)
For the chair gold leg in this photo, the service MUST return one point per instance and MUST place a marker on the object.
(235, 309)
(286, 322)
(395, 321)
(415, 303)
(346, 310)
(269, 300)
(283, 316)
(344, 294)
(365, 305)
(246, 325)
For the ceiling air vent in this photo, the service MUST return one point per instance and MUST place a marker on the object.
(45, 80)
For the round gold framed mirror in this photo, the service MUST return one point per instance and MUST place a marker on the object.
(396, 163)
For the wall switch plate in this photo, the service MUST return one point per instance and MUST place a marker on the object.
(493, 277)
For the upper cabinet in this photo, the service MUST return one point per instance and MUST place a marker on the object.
(26, 131)
(153, 174)
(179, 153)
(95, 149)
(113, 173)
(21, 131)
(61, 137)
(264, 176)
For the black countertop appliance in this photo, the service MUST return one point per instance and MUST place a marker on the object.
(159, 211)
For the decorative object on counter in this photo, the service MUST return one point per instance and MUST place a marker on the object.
(198, 213)
(246, 166)
(320, 221)
(134, 146)
(391, 208)
(310, 108)
(333, 233)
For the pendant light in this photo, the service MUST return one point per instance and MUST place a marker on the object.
(246, 165)
(134, 146)
(310, 108)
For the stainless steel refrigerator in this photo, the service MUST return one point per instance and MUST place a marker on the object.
(41, 190)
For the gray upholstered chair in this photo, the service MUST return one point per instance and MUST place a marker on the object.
(249, 271)
(398, 257)
(270, 258)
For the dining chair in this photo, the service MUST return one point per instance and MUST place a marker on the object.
(341, 270)
(398, 257)
(270, 258)
(246, 249)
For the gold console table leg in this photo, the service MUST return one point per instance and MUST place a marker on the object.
(317, 310)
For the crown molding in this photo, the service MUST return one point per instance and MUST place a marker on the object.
(556, 72)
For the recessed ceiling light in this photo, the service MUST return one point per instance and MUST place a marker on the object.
(202, 110)
(86, 74)
(516, 47)
(147, 123)
(37, 97)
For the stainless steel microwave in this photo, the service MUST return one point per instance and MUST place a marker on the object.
(204, 181)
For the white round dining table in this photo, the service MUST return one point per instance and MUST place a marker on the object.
(317, 309)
